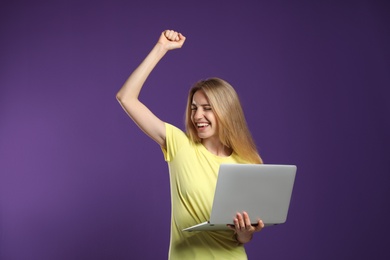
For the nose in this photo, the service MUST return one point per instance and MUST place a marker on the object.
(198, 114)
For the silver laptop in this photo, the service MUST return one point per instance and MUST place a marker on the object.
(262, 190)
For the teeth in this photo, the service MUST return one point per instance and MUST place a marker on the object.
(202, 124)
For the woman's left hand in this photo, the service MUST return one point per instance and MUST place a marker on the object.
(243, 227)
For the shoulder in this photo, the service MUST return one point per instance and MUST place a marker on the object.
(175, 139)
(174, 132)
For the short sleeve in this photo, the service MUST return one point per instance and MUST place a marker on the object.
(174, 139)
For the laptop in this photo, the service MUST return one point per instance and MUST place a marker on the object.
(262, 190)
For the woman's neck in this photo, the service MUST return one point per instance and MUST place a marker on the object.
(215, 147)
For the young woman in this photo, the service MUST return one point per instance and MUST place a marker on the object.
(216, 133)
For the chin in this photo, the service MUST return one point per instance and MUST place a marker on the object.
(205, 136)
(202, 136)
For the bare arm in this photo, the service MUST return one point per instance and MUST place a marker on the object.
(128, 94)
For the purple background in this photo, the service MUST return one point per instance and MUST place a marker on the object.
(80, 181)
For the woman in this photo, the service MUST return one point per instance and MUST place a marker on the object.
(216, 133)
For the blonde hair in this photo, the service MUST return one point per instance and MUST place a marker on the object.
(233, 130)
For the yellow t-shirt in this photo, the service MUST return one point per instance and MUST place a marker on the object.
(193, 174)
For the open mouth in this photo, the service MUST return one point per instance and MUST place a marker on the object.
(202, 125)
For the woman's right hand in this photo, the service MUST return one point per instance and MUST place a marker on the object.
(171, 40)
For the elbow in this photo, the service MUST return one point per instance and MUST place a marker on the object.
(119, 97)
(125, 100)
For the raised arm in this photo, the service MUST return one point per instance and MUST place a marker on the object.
(128, 94)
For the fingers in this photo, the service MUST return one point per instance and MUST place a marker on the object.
(170, 39)
(247, 220)
(260, 225)
(173, 35)
(242, 223)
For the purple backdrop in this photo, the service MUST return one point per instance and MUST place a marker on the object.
(80, 181)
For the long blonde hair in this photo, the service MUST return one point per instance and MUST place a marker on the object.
(233, 130)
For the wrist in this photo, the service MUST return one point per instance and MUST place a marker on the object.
(242, 239)
(161, 48)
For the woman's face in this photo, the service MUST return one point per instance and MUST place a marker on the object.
(202, 116)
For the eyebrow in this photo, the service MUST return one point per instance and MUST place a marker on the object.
(202, 105)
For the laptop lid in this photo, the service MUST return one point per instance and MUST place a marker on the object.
(262, 190)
